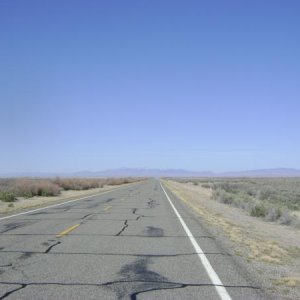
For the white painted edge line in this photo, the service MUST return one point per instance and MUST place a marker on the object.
(216, 281)
(60, 204)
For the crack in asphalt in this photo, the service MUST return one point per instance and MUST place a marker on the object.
(22, 286)
(124, 227)
(7, 265)
(25, 255)
(152, 203)
(135, 278)
(84, 217)
(134, 210)
(133, 296)
(29, 253)
(52, 246)
(172, 285)
(99, 213)
(137, 270)
(111, 235)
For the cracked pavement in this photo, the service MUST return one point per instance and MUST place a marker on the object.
(125, 244)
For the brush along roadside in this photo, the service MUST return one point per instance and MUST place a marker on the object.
(272, 249)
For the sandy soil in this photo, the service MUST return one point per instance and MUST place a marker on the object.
(23, 203)
(273, 249)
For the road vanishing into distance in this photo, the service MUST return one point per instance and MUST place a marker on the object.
(135, 242)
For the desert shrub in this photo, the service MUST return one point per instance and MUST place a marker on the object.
(270, 198)
(78, 183)
(10, 189)
(266, 193)
(48, 189)
(273, 214)
(223, 197)
(118, 181)
(89, 183)
(7, 197)
(286, 218)
(247, 206)
(206, 185)
(258, 210)
(27, 188)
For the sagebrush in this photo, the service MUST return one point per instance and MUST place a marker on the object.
(12, 188)
(274, 199)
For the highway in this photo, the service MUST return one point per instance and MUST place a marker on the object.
(136, 242)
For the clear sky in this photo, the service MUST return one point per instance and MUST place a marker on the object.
(200, 85)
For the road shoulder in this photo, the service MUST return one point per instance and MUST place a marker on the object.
(271, 249)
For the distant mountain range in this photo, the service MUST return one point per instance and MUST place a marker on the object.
(134, 172)
(279, 172)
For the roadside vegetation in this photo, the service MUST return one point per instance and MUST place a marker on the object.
(12, 188)
(273, 199)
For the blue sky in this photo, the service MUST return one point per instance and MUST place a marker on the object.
(200, 85)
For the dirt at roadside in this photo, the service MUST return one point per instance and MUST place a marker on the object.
(273, 249)
(37, 201)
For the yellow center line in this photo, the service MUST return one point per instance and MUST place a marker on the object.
(67, 230)
(108, 207)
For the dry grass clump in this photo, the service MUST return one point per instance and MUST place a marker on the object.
(90, 183)
(25, 187)
(30, 187)
(118, 181)
(78, 183)
(12, 188)
(289, 281)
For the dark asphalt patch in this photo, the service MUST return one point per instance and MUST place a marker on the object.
(26, 255)
(40, 213)
(14, 225)
(109, 200)
(139, 280)
(154, 231)
(152, 203)
(95, 205)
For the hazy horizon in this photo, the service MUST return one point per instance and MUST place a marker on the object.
(192, 85)
(133, 172)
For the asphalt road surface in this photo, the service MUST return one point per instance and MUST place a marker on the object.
(130, 243)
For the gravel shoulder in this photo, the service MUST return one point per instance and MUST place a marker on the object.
(273, 250)
(37, 201)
